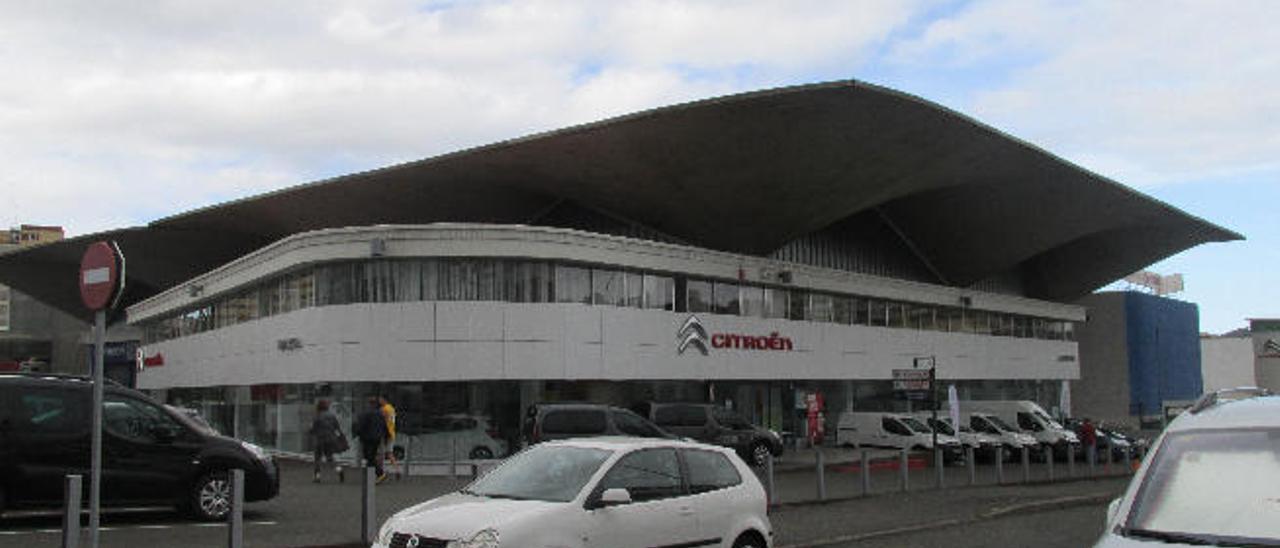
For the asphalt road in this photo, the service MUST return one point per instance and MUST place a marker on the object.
(1070, 527)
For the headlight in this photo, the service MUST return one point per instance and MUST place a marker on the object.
(256, 451)
(487, 538)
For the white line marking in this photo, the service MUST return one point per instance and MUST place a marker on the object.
(97, 276)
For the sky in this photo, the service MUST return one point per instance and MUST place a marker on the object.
(115, 114)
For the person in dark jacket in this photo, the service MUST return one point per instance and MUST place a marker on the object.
(1089, 438)
(371, 428)
(327, 439)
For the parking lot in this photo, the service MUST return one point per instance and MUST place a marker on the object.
(328, 514)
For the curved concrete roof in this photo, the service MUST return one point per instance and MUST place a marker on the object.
(743, 173)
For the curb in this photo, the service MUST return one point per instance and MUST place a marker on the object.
(995, 513)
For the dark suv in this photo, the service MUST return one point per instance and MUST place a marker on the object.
(150, 454)
(709, 423)
(554, 421)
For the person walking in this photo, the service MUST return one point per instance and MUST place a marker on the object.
(327, 438)
(389, 415)
(1089, 437)
(371, 427)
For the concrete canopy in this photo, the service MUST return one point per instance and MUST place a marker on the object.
(745, 173)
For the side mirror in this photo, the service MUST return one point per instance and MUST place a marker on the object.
(1112, 509)
(615, 497)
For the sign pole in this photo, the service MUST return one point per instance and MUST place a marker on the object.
(95, 465)
(933, 391)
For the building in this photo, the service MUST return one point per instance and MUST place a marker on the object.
(750, 250)
(1266, 349)
(1139, 355)
(35, 336)
(1227, 361)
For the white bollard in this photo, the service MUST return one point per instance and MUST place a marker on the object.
(71, 512)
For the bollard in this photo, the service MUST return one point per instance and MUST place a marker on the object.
(235, 522)
(938, 465)
(1106, 463)
(1092, 455)
(770, 488)
(1026, 464)
(971, 464)
(822, 477)
(71, 512)
(453, 459)
(902, 466)
(999, 465)
(864, 466)
(367, 515)
(1071, 461)
(1049, 461)
(408, 455)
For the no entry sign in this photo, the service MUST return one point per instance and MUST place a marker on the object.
(101, 276)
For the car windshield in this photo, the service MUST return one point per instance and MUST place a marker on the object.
(1217, 487)
(554, 473)
(916, 425)
(942, 427)
(999, 424)
(1047, 420)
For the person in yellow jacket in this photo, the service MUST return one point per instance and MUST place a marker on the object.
(389, 415)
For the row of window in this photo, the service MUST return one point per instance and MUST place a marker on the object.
(525, 281)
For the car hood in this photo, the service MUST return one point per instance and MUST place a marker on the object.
(459, 516)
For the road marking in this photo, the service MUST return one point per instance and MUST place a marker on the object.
(133, 528)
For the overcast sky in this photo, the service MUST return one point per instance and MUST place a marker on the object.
(115, 114)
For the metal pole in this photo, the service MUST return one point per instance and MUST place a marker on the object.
(864, 467)
(768, 477)
(1000, 464)
(938, 466)
(453, 458)
(970, 462)
(71, 512)
(902, 466)
(1106, 464)
(1049, 461)
(235, 523)
(822, 477)
(367, 516)
(1092, 455)
(1071, 461)
(1128, 460)
(1026, 464)
(95, 463)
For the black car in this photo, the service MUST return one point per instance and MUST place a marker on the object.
(554, 421)
(151, 455)
(709, 423)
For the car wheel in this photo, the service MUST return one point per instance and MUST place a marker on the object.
(749, 540)
(481, 453)
(760, 454)
(211, 496)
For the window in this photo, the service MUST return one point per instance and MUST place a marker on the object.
(608, 287)
(821, 308)
(659, 292)
(752, 301)
(860, 311)
(635, 289)
(897, 314)
(841, 311)
(797, 302)
(586, 421)
(709, 471)
(922, 317)
(981, 322)
(632, 425)
(527, 282)
(573, 285)
(136, 420)
(698, 293)
(44, 411)
(775, 303)
(878, 313)
(954, 319)
(725, 300)
(649, 474)
(894, 427)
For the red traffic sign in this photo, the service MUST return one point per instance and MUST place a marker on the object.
(101, 276)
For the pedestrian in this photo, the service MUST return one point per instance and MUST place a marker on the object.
(371, 428)
(389, 415)
(328, 439)
(1089, 437)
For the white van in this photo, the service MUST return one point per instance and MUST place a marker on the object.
(891, 430)
(984, 445)
(1011, 438)
(1030, 418)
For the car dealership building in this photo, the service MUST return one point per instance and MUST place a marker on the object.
(749, 250)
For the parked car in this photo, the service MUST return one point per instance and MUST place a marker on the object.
(893, 431)
(1012, 440)
(446, 437)
(1028, 417)
(151, 455)
(983, 445)
(610, 491)
(1112, 439)
(1209, 481)
(710, 423)
(555, 421)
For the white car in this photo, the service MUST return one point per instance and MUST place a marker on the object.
(609, 492)
(1211, 480)
(448, 437)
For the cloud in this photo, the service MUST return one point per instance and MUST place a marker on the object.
(167, 106)
(1147, 94)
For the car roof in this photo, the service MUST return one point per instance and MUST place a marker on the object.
(1262, 411)
(53, 379)
(615, 443)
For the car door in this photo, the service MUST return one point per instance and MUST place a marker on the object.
(661, 512)
(713, 494)
(49, 434)
(147, 455)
